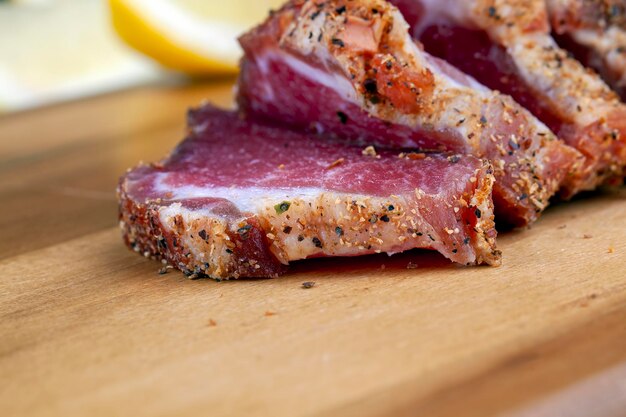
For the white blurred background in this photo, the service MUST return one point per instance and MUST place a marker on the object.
(53, 50)
(57, 50)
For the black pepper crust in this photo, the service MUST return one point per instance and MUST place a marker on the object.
(588, 14)
(594, 31)
(234, 244)
(399, 86)
(144, 233)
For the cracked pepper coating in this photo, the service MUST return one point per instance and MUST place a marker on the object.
(243, 199)
(595, 32)
(351, 70)
(507, 45)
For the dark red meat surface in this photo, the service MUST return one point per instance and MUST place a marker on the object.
(365, 97)
(241, 198)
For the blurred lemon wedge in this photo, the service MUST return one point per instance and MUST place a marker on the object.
(193, 36)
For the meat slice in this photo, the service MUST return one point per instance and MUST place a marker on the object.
(351, 69)
(507, 45)
(595, 32)
(242, 199)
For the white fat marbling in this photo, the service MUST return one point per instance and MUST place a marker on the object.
(247, 199)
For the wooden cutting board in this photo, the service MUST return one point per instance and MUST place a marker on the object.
(88, 328)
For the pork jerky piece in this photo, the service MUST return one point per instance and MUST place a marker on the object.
(351, 69)
(238, 199)
(595, 32)
(507, 45)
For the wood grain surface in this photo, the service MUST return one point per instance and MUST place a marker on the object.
(88, 328)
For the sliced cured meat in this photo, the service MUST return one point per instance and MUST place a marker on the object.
(595, 32)
(351, 69)
(241, 199)
(507, 45)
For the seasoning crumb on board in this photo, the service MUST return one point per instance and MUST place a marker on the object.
(610, 250)
(308, 284)
(165, 269)
(270, 313)
(212, 323)
(587, 236)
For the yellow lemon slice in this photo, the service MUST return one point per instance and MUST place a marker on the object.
(193, 36)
